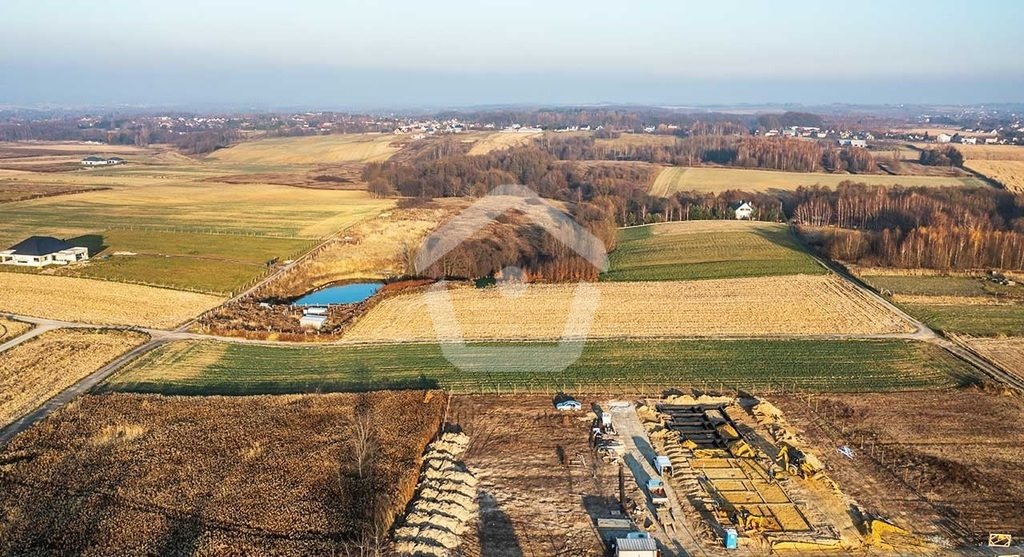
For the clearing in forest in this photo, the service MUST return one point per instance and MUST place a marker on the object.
(320, 149)
(708, 249)
(714, 179)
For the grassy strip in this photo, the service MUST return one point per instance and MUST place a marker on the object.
(813, 365)
(976, 320)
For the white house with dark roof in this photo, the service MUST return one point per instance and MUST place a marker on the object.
(93, 160)
(744, 211)
(40, 251)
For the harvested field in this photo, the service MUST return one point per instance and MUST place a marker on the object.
(173, 206)
(1008, 353)
(707, 249)
(626, 140)
(992, 152)
(18, 191)
(603, 367)
(767, 306)
(1009, 173)
(712, 179)
(958, 481)
(39, 368)
(148, 475)
(536, 496)
(320, 149)
(99, 302)
(378, 248)
(498, 141)
(10, 328)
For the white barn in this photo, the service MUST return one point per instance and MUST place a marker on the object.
(40, 251)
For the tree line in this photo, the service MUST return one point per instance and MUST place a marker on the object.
(772, 153)
(938, 228)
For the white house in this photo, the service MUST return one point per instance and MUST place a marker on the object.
(93, 160)
(943, 138)
(862, 143)
(745, 211)
(40, 251)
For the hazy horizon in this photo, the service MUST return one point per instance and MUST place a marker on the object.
(337, 55)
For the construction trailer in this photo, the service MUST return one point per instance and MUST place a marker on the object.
(664, 466)
(636, 544)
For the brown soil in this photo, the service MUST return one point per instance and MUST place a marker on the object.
(150, 475)
(534, 499)
(943, 464)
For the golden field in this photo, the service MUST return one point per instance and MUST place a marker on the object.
(497, 141)
(714, 179)
(1008, 353)
(800, 305)
(39, 368)
(376, 248)
(992, 152)
(1009, 173)
(99, 302)
(10, 328)
(320, 149)
(265, 475)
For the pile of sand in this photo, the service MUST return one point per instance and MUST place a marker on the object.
(444, 502)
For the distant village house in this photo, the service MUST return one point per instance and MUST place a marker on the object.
(40, 251)
(744, 211)
(93, 160)
(862, 143)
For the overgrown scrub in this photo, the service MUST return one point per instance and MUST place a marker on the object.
(135, 475)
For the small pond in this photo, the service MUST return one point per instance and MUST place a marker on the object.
(342, 294)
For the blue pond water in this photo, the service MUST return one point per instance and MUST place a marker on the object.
(344, 294)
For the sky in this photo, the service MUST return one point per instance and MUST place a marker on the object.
(332, 54)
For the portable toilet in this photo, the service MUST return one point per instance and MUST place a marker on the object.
(732, 540)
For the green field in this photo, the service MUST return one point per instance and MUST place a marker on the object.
(942, 286)
(713, 179)
(977, 320)
(706, 250)
(214, 263)
(209, 367)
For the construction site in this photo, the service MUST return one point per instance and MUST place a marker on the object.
(682, 474)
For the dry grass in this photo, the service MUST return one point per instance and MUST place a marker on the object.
(34, 371)
(498, 141)
(1007, 352)
(992, 152)
(152, 475)
(636, 140)
(1009, 173)
(768, 306)
(374, 249)
(99, 302)
(10, 328)
(711, 179)
(321, 149)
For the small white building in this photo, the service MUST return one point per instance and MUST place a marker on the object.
(312, 321)
(40, 251)
(862, 143)
(744, 211)
(636, 544)
(943, 138)
(93, 160)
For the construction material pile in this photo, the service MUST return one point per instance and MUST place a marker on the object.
(444, 502)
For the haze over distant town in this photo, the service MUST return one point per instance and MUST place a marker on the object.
(319, 54)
